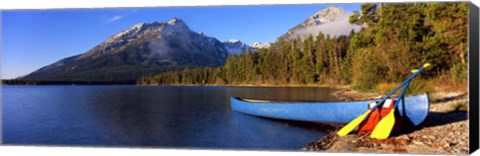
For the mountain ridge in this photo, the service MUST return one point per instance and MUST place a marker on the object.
(235, 47)
(152, 48)
(143, 49)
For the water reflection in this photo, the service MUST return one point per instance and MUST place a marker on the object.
(143, 116)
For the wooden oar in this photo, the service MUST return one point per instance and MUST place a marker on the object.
(385, 125)
(355, 122)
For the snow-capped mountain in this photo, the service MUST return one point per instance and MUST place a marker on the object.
(259, 45)
(143, 49)
(329, 14)
(332, 21)
(235, 46)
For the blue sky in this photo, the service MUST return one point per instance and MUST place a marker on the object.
(32, 39)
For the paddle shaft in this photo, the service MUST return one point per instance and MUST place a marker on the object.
(398, 87)
(400, 97)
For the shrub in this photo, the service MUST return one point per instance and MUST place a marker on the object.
(415, 87)
(421, 86)
(385, 88)
(459, 73)
(367, 72)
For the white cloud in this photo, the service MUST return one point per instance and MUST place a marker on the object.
(114, 18)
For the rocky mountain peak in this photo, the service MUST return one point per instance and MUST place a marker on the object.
(329, 14)
(177, 22)
(235, 46)
(138, 26)
(331, 20)
(259, 45)
(175, 25)
(233, 41)
(256, 44)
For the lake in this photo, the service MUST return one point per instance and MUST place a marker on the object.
(151, 116)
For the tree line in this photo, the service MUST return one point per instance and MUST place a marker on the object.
(395, 38)
(296, 61)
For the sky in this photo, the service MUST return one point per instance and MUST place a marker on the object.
(31, 39)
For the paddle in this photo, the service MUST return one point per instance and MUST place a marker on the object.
(385, 125)
(355, 122)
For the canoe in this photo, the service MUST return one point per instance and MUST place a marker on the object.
(415, 108)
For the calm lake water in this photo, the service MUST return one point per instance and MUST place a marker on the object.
(151, 116)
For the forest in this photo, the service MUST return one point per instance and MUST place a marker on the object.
(395, 38)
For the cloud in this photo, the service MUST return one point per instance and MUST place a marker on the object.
(114, 18)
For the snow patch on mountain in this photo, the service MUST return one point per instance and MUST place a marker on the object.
(338, 27)
(259, 45)
(235, 46)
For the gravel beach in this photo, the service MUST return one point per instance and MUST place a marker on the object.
(444, 131)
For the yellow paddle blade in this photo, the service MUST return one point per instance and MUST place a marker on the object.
(353, 124)
(384, 127)
(426, 65)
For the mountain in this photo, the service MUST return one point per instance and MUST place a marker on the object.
(235, 46)
(332, 21)
(144, 49)
(259, 45)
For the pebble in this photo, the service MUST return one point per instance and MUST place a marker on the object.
(446, 145)
(418, 142)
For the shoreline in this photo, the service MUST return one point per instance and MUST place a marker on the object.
(444, 131)
(196, 85)
(253, 85)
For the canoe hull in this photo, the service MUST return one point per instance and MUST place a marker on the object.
(416, 109)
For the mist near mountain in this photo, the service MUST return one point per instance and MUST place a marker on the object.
(334, 28)
(332, 21)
